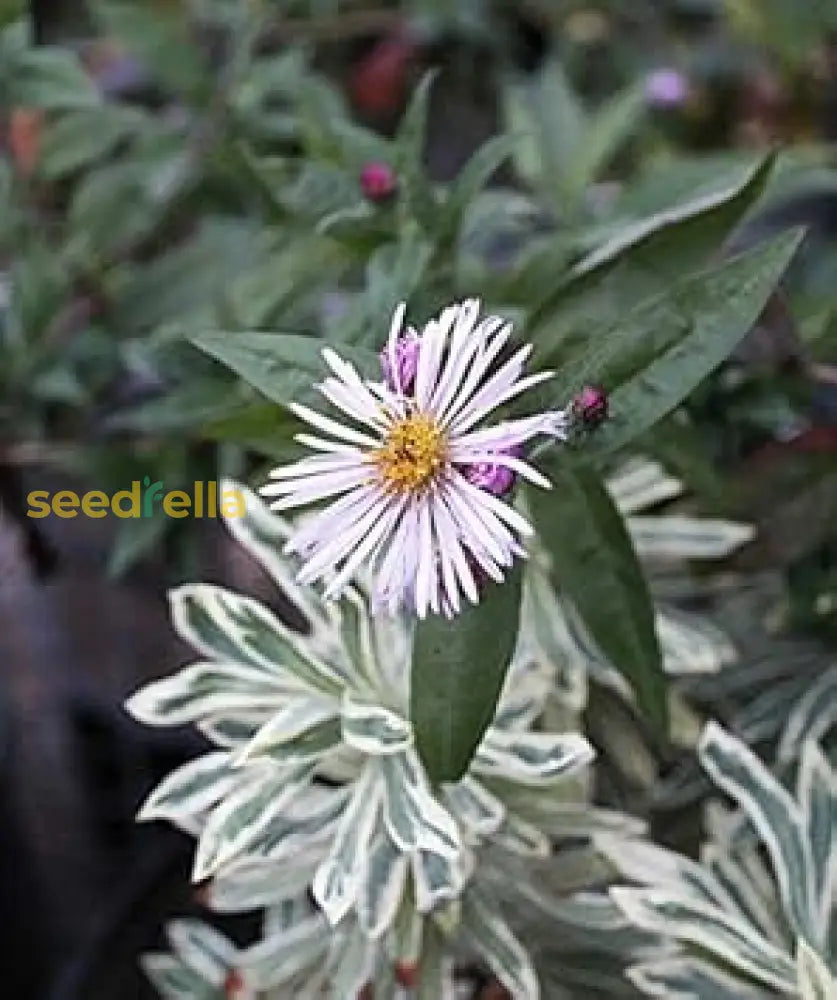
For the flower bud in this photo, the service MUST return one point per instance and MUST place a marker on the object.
(406, 363)
(492, 476)
(666, 88)
(590, 406)
(378, 182)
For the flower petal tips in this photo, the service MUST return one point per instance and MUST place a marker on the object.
(412, 474)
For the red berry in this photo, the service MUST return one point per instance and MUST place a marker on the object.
(378, 181)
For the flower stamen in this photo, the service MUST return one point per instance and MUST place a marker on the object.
(413, 452)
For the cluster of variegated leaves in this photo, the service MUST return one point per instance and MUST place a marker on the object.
(316, 784)
(743, 930)
(689, 644)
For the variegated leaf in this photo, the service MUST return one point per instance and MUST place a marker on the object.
(306, 820)
(234, 730)
(532, 758)
(691, 645)
(812, 716)
(474, 806)
(283, 736)
(649, 864)
(818, 798)
(244, 815)
(202, 691)
(520, 837)
(264, 534)
(373, 729)
(174, 980)
(280, 956)
(749, 895)
(675, 536)
(815, 979)
(382, 886)
(641, 483)
(414, 817)
(357, 638)
(490, 936)
(202, 949)
(437, 879)
(190, 789)
(226, 626)
(679, 978)
(337, 881)
(355, 966)
(777, 819)
(252, 884)
(568, 819)
(705, 926)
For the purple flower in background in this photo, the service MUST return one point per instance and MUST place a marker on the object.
(666, 88)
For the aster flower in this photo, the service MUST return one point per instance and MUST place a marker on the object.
(406, 469)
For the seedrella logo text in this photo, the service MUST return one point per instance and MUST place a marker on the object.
(142, 499)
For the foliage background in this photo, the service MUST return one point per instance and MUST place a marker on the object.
(182, 226)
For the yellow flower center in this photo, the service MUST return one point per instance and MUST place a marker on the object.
(410, 457)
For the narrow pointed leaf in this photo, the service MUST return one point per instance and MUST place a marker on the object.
(593, 561)
(458, 671)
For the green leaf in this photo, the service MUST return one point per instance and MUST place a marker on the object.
(282, 366)
(458, 671)
(479, 169)
(594, 562)
(81, 137)
(667, 347)
(414, 187)
(639, 261)
(49, 78)
(607, 130)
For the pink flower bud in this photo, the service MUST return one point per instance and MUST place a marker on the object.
(378, 182)
(492, 476)
(590, 406)
(666, 88)
(406, 361)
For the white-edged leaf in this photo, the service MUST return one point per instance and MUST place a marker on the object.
(206, 951)
(245, 814)
(191, 788)
(649, 864)
(307, 820)
(485, 931)
(299, 717)
(818, 798)
(812, 716)
(374, 729)
(227, 626)
(734, 942)
(691, 645)
(354, 967)
(233, 730)
(641, 483)
(414, 817)
(751, 895)
(279, 957)
(532, 758)
(252, 884)
(203, 690)
(264, 534)
(172, 979)
(777, 819)
(815, 979)
(382, 886)
(337, 881)
(681, 978)
(474, 806)
(437, 879)
(676, 536)
(520, 837)
(560, 818)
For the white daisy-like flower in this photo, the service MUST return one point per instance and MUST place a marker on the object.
(415, 483)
